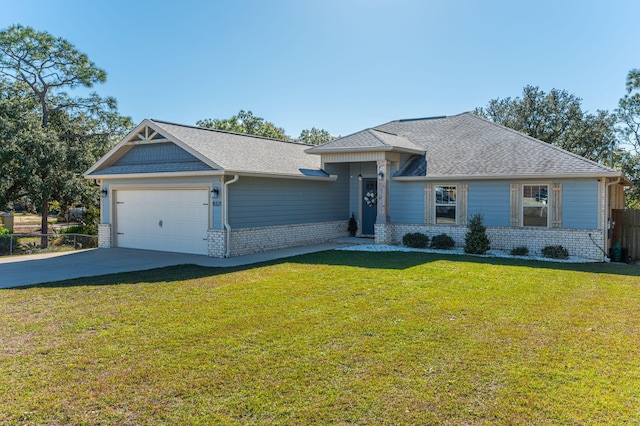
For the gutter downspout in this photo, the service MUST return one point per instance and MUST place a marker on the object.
(225, 213)
(608, 215)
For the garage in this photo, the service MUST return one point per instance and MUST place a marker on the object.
(174, 220)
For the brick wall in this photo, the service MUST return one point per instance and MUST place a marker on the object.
(255, 240)
(104, 235)
(577, 241)
(216, 242)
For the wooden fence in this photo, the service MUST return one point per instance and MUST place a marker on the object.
(627, 231)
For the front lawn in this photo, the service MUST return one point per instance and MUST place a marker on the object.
(333, 337)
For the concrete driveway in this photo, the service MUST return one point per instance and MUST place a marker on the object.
(42, 268)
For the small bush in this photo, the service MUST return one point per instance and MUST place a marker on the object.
(555, 252)
(80, 229)
(476, 240)
(519, 251)
(415, 240)
(442, 242)
(5, 241)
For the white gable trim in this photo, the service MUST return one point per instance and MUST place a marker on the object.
(132, 139)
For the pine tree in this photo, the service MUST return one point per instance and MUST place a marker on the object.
(476, 240)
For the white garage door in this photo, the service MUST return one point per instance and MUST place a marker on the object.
(165, 220)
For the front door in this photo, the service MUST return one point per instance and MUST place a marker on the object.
(369, 205)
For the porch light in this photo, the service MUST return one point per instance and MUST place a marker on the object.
(360, 176)
(215, 192)
(380, 175)
(104, 192)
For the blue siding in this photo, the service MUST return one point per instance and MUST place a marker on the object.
(255, 202)
(406, 202)
(492, 199)
(580, 203)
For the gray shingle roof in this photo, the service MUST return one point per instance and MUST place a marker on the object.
(243, 153)
(193, 149)
(467, 145)
(369, 139)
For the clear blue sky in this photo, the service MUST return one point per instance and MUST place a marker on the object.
(341, 65)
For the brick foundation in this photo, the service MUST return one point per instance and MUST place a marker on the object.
(256, 240)
(216, 242)
(577, 241)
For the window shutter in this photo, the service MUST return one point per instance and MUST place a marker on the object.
(515, 204)
(461, 200)
(556, 205)
(428, 204)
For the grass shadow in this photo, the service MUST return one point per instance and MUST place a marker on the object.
(359, 259)
(403, 260)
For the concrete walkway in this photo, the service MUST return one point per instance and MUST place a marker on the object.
(42, 268)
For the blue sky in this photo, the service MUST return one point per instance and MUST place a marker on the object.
(341, 65)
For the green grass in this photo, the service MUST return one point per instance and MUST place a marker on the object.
(333, 337)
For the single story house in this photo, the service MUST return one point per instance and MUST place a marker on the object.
(180, 188)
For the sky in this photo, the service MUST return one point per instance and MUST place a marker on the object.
(341, 65)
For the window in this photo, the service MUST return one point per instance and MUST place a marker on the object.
(535, 200)
(446, 204)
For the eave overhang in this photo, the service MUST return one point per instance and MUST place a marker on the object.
(365, 149)
(211, 173)
(529, 176)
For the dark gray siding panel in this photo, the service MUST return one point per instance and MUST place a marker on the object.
(166, 152)
(580, 204)
(492, 200)
(407, 202)
(154, 158)
(256, 202)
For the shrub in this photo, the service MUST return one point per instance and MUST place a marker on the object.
(555, 252)
(415, 240)
(442, 242)
(353, 225)
(80, 229)
(476, 240)
(519, 251)
(5, 241)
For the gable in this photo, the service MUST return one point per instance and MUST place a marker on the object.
(153, 158)
(161, 147)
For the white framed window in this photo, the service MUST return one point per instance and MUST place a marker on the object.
(446, 204)
(535, 204)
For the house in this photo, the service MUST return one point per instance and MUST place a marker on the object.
(186, 189)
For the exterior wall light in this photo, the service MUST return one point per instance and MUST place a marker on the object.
(215, 192)
(104, 192)
(380, 175)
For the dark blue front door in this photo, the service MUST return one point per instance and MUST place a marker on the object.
(369, 205)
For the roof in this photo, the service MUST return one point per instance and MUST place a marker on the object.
(211, 151)
(369, 140)
(468, 145)
(460, 146)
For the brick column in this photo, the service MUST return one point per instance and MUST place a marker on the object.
(104, 235)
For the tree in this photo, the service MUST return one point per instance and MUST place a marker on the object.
(556, 118)
(315, 136)
(476, 240)
(17, 120)
(628, 113)
(247, 123)
(47, 66)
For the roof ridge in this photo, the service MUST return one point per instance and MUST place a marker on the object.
(226, 131)
(384, 131)
(555, 147)
(371, 131)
